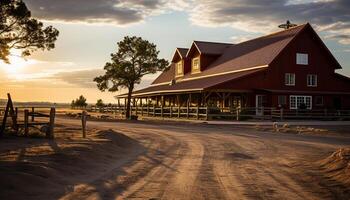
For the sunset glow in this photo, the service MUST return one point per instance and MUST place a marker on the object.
(85, 45)
(16, 66)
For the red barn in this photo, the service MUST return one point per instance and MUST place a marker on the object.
(290, 69)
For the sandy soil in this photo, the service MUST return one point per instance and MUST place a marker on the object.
(147, 160)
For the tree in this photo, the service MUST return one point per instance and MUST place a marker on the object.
(72, 105)
(100, 103)
(18, 30)
(79, 102)
(134, 58)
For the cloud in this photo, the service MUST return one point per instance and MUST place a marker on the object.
(342, 38)
(84, 78)
(263, 16)
(80, 78)
(258, 16)
(119, 12)
(240, 38)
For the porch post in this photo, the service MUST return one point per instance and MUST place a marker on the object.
(188, 105)
(147, 103)
(178, 105)
(141, 106)
(125, 105)
(162, 105)
(118, 105)
(136, 106)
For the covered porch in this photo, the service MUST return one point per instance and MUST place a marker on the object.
(200, 104)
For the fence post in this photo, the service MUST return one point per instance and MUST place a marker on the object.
(206, 113)
(147, 110)
(33, 114)
(197, 113)
(281, 113)
(237, 114)
(178, 112)
(188, 110)
(26, 121)
(16, 112)
(161, 111)
(50, 133)
(154, 111)
(83, 121)
(171, 111)
(141, 109)
(325, 112)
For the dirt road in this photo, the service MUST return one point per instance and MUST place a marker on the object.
(192, 161)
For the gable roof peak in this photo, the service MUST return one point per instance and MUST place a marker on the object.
(210, 48)
(180, 52)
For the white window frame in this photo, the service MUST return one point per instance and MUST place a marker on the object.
(198, 66)
(311, 80)
(302, 59)
(289, 79)
(294, 104)
(179, 65)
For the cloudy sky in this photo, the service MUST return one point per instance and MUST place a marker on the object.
(90, 29)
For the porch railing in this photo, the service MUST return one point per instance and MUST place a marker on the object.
(207, 113)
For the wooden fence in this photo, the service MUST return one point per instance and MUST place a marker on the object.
(207, 113)
(29, 115)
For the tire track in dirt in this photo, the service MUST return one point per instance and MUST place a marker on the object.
(249, 175)
(201, 162)
(113, 182)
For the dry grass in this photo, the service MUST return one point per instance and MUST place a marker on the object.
(337, 165)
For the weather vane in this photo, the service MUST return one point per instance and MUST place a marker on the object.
(287, 25)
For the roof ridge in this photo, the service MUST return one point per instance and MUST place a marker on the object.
(274, 33)
(213, 42)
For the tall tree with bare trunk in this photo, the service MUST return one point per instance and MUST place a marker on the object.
(18, 30)
(134, 58)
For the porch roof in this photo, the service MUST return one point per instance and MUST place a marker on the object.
(193, 85)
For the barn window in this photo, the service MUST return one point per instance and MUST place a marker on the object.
(195, 64)
(179, 68)
(289, 79)
(302, 59)
(299, 102)
(312, 80)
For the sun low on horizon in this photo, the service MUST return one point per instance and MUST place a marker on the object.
(87, 39)
(17, 63)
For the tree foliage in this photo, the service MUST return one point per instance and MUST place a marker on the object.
(18, 30)
(79, 102)
(134, 58)
(100, 103)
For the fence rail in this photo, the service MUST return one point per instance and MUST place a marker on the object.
(225, 112)
(30, 114)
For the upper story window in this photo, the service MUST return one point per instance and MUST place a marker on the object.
(195, 64)
(312, 80)
(289, 79)
(179, 68)
(302, 59)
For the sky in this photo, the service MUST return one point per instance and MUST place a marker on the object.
(90, 30)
